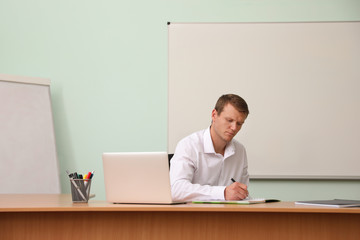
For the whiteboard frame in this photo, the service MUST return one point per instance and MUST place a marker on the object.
(23, 79)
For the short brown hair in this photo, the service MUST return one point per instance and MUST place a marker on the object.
(235, 100)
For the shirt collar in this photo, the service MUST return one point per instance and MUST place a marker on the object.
(229, 149)
(209, 146)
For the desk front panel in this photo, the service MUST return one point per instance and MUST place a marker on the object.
(178, 225)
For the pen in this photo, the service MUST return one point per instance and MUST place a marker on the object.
(233, 180)
(88, 175)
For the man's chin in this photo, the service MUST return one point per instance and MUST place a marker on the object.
(228, 138)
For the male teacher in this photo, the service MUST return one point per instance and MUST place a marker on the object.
(210, 164)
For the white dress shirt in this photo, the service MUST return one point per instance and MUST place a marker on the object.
(197, 172)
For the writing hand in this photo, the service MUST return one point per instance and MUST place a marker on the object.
(236, 191)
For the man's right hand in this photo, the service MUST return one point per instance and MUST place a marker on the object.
(236, 191)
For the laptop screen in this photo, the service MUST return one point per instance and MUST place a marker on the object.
(137, 177)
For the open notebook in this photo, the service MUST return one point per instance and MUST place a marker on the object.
(245, 201)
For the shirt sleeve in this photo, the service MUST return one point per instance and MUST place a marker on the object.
(183, 167)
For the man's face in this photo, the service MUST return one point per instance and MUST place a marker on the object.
(228, 123)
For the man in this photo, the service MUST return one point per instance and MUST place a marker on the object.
(205, 162)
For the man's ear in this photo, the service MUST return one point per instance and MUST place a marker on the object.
(214, 115)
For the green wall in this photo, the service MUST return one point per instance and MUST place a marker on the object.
(107, 61)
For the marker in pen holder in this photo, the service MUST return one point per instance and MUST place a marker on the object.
(80, 190)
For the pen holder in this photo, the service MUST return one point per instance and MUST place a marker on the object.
(80, 190)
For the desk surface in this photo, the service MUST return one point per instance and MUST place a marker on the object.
(63, 203)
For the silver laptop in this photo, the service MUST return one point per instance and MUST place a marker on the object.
(137, 177)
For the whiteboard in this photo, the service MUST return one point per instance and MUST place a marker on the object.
(300, 80)
(28, 160)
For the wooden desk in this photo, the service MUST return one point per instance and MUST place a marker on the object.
(56, 217)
